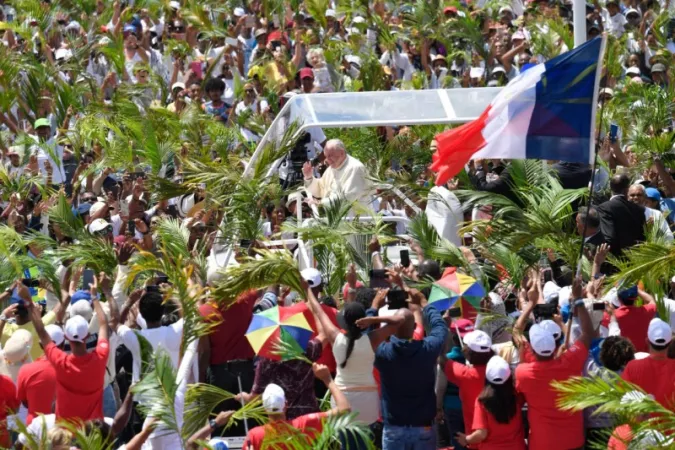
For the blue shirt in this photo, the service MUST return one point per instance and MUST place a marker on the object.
(408, 375)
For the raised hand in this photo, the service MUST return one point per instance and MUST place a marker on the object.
(307, 170)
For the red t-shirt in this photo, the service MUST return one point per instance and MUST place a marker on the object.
(8, 401)
(655, 376)
(36, 387)
(634, 322)
(327, 358)
(228, 340)
(551, 428)
(79, 381)
(501, 436)
(470, 381)
(309, 424)
(526, 353)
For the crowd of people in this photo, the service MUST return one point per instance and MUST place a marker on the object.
(136, 243)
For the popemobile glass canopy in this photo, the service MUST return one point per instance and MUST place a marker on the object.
(379, 108)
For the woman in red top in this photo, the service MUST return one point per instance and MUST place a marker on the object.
(497, 418)
(470, 379)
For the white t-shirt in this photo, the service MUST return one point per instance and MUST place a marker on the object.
(52, 152)
(614, 24)
(166, 337)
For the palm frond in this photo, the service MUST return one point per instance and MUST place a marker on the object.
(158, 390)
(255, 273)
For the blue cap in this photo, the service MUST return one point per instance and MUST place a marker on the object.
(80, 295)
(83, 208)
(653, 193)
(15, 300)
(628, 293)
(129, 29)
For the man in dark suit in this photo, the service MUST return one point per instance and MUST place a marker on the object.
(621, 222)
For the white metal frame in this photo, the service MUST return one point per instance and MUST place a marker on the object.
(303, 109)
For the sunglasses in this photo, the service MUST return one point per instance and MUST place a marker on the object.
(250, 91)
(90, 199)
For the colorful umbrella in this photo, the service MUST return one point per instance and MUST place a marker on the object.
(278, 326)
(455, 286)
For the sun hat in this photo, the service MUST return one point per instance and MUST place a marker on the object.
(659, 332)
(76, 329)
(478, 341)
(542, 340)
(497, 370)
(18, 346)
(274, 399)
(311, 276)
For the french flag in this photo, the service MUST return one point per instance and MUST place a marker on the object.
(546, 112)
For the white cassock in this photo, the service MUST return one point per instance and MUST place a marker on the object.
(444, 212)
(350, 181)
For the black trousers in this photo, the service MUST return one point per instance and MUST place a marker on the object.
(227, 376)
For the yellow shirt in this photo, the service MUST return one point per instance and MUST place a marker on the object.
(36, 350)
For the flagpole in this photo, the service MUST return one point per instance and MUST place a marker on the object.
(594, 144)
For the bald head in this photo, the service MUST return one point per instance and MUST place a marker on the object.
(407, 328)
(636, 194)
(335, 153)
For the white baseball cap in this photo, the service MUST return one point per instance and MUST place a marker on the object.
(497, 370)
(552, 328)
(550, 289)
(311, 276)
(274, 399)
(331, 13)
(76, 329)
(659, 332)
(633, 71)
(97, 207)
(478, 341)
(56, 334)
(541, 340)
(98, 225)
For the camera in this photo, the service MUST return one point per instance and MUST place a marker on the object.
(295, 159)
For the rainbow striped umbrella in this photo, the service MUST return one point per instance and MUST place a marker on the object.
(453, 287)
(278, 325)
